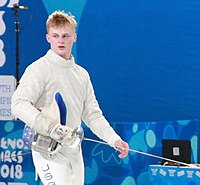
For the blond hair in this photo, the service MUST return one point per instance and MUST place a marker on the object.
(59, 19)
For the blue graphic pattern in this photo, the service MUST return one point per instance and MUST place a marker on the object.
(102, 164)
(142, 136)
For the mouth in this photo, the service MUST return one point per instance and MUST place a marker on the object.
(61, 47)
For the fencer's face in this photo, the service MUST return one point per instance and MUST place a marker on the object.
(61, 40)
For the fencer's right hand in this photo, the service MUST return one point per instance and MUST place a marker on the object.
(61, 132)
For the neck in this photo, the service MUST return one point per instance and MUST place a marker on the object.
(69, 58)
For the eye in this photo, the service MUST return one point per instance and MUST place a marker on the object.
(66, 36)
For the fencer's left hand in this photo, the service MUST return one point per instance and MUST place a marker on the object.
(122, 147)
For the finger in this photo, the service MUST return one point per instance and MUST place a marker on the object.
(123, 153)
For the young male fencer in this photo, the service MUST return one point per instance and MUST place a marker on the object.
(33, 102)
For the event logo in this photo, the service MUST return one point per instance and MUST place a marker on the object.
(12, 167)
(7, 88)
(3, 28)
(12, 149)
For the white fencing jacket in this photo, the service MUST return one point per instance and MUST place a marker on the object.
(38, 85)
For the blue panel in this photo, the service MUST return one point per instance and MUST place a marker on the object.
(143, 56)
(102, 165)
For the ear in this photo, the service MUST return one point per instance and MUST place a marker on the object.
(48, 38)
(75, 37)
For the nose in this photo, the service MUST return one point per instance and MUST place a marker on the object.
(60, 40)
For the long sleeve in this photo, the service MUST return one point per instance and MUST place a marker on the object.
(25, 103)
(93, 117)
